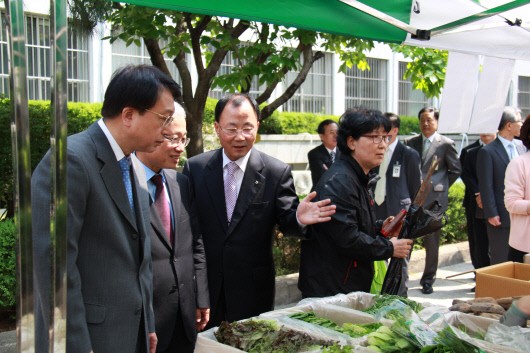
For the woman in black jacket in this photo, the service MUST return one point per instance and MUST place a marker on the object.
(339, 255)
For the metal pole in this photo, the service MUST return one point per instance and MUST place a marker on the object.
(21, 175)
(59, 40)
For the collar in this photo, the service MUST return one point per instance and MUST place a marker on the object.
(392, 146)
(505, 142)
(357, 168)
(329, 151)
(113, 144)
(241, 162)
(429, 138)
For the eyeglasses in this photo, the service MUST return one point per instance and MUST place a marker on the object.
(377, 139)
(167, 119)
(176, 141)
(232, 132)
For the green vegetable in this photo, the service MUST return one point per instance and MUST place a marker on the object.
(359, 330)
(258, 336)
(384, 340)
(448, 338)
(311, 317)
(384, 300)
(336, 348)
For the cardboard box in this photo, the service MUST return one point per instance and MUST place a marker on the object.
(503, 280)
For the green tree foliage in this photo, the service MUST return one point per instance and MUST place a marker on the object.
(7, 264)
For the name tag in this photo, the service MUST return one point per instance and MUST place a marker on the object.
(396, 170)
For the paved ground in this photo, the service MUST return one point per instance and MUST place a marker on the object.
(453, 260)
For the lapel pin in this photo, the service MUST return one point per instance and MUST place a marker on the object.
(256, 182)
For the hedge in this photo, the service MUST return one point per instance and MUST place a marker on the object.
(7, 265)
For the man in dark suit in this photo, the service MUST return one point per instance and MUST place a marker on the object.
(400, 181)
(109, 274)
(180, 284)
(492, 161)
(476, 226)
(428, 145)
(322, 157)
(242, 194)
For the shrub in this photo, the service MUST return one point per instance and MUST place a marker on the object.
(409, 125)
(7, 265)
(293, 123)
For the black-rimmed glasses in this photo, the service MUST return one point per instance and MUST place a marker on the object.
(176, 141)
(167, 119)
(377, 139)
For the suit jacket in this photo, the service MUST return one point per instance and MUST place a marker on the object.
(109, 274)
(401, 190)
(239, 255)
(319, 157)
(469, 176)
(470, 179)
(448, 170)
(180, 283)
(493, 161)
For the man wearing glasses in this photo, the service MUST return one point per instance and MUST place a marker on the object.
(242, 194)
(430, 144)
(109, 273)
(180, 285)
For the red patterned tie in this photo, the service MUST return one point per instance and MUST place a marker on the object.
(162, 205)
(230, 189)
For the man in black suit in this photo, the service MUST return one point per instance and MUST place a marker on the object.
(492, 161)
(476, 226)
(322, 157)
(242, 194)
(400, 181)
(180, 284)
(430, 144)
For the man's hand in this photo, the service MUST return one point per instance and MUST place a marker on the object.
(495, 221)
(153, 340)
(202, 316)
(401, 247)
(478, 199)
(314, 212)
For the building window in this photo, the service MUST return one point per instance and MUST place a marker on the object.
(133, 54)
(523, 97)
(4, 69)
(38, 60)
(314, 95)
(229, 62)
(367, 88)
(410, 100)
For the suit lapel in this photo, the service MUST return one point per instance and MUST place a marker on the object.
(174, 194)
(253, 181)
(396, 156)
(111, 174)
(158, 227)
(501, 151)
(215, 186)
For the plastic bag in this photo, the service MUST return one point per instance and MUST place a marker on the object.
(379, 276)
(510, 336)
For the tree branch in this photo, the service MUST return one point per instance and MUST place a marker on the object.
(157, 58)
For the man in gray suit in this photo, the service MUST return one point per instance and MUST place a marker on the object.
(400, 181)
(109, 278)
(430, 144)
(242, 194)
(492, 160)
(180, 284)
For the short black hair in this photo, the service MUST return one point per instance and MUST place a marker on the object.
(236, 99)
(138, 87)
(509, 115)
(356, 122)
(429, 110)
(321, 129)
(394, 119)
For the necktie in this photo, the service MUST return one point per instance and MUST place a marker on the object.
(380, 187)
(511, 151)
(125, 167)
(230, 189)
(426, 145)
(332, 155)
(162, 205)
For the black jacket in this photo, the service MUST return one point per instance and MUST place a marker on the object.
(339, 255)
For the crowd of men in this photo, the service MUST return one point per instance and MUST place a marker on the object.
(155, 256)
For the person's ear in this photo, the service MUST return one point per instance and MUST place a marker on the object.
(352, 143)
(127, 115)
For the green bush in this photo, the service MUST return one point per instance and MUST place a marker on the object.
(409, 125)
(293, 123)
(7, 265)
(80, 116)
